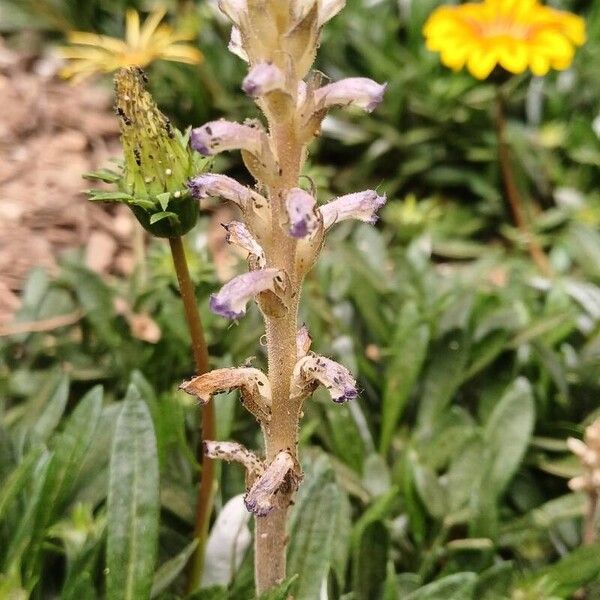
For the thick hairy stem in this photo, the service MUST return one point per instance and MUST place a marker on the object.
(512, 191)
(282, 431)
(200, 351)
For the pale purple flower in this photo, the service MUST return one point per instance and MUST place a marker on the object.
(238, 235)
(220, 186)
(302, 214)
(260, 497)
(231, 300)
(314, 369)
(362, 206)
(353, 91)
(219, 136)
(263, 78)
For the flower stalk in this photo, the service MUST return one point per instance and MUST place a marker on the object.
(283, 230)
(204, 499)
(513, 195)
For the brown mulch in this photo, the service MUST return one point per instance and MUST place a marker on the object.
(50, 133)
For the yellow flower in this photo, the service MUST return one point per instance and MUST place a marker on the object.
(90, 53)
(515, 34)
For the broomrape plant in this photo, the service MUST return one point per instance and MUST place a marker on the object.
(283, 230)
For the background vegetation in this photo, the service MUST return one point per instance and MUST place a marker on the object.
(447, 479)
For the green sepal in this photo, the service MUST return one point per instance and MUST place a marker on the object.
(105, 175)
(165, 214)
(180, 217)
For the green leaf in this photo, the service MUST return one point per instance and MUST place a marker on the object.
(570, 573)
(71, 446)
(507, 434)
(14, 484)
(444, 375)
(133, 503)
(312, 552)
(409, 347)
(460, 586)
(369, 560)
(168, 572)
(433, 496)
(281, 591)
(52, 412)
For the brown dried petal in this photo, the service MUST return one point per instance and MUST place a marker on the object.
(260, 499)
(232, 451)
(253, 384)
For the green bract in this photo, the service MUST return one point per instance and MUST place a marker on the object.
(157, 162)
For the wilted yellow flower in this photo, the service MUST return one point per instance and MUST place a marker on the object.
(515, 34)
(90, 53)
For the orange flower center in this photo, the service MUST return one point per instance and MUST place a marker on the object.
(501, 27)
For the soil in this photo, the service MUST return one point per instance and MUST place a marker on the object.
(50, 133)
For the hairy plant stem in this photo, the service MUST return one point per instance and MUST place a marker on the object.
(513, 195)
(281, 433)
(200, 352)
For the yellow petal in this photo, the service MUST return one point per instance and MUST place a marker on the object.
(132, 28)
(150, 25)
(540, 65)
(513, 56)
(482, 62)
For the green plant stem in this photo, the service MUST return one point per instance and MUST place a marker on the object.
(200, 351)
(513, 195)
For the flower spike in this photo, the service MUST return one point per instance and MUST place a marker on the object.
(260, 499)
(362, 206)
(302, 213)
(313, 370)
(231, 300)
(262, 79)
(238, 235)
(353, 91)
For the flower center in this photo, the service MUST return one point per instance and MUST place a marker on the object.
(502, 27)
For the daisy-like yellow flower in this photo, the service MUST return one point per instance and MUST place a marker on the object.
(515, 34)
(90, 53)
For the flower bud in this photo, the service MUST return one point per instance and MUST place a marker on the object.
(353, 91)
(362, 206)
(157, 162)
(302, 213)
(230, 302)
(263, 78)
